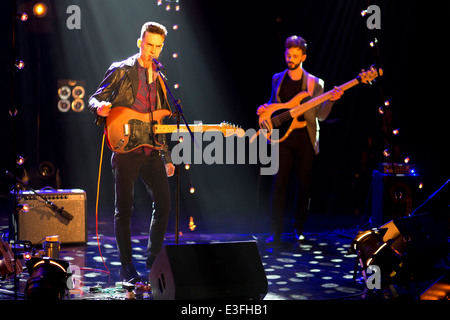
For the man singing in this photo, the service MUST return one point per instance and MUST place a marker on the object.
(135, 84)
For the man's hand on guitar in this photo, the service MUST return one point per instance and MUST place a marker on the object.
(103, 109)
(170, 169)
(336, 93)
(261, 109)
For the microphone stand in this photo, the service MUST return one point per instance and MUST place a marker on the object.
(54, 207)
(179, 115)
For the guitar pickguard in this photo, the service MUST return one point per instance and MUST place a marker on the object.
(139, 133)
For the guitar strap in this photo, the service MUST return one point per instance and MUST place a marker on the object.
(162, 85)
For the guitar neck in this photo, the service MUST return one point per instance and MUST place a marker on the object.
(169, 128)
(302, 108)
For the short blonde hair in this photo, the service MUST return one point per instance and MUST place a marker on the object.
(153, 27)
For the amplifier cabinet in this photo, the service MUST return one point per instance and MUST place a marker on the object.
(394, 196)
(42, 220)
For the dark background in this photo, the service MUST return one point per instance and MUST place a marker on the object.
(228, 52)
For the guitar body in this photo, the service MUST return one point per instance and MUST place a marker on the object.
(127, 129)
(278, 116)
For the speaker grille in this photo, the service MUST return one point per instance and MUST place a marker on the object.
(41, 221)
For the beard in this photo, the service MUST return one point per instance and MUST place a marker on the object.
(292, 66)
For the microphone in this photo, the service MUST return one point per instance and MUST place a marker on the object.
(158, 64)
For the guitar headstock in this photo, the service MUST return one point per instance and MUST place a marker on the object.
(229, 129)
(369, 75)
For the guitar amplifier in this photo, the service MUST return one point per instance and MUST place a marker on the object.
(394, 196)
(67, 217)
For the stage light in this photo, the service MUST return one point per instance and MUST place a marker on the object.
(78, 105)
(176, 85)
(363, 13)
(23, 207)
(64, 92)
(187, 166)
(40, 9)
(63, 105)
(46, 169)
(406, 160)
(386, 153)
(395, 132)
(372, 250)
(175, 55)
(192, 225)
(373, 43)
(78, 92)
(71, 94)
(22, 16)
(48, 279)
(175, 27)
(192, 190)
(20, 160)
(381, 110)
(20, 64)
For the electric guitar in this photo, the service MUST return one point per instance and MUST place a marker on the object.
(127, 129)
(284, 116)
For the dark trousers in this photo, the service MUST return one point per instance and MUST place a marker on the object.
(127, 168)
(296, 160)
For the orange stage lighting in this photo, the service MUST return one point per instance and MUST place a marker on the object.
(40, 9)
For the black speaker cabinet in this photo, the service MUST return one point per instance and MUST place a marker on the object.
(231, 270)
(421, 239)
(42, 221)
(393, 196)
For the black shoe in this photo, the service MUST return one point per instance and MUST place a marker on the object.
(129, 274)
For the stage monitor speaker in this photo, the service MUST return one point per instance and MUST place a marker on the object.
(393, 196)
(231, 270)
(42, 221)
(421, 239)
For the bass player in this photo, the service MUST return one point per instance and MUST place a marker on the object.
(297, 152)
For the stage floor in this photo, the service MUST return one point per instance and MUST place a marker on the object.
(318, 268)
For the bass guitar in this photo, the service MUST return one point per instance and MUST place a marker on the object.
(285, 116)
(127, 129)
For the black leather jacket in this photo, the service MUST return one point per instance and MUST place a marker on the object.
(120, 86)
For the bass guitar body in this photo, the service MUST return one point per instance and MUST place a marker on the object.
(278, 117)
